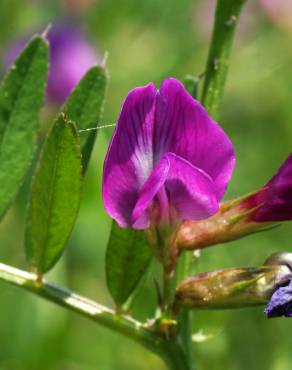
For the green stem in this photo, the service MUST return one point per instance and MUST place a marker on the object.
(74, 302)
(185, 336)
(169, 284)
(175, 356)
(226, 19)
(185, 316)
(170, 352)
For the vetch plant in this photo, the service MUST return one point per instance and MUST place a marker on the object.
(165, 173)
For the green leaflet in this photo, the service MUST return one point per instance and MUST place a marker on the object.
(127, 259)
(56, 194)
(21, 97)
(85, 105)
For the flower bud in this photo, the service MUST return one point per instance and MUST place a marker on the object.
(245, 215)
(235, 287)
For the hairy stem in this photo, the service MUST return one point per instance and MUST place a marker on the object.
(74, 302)
(170, 352)
(226, 19)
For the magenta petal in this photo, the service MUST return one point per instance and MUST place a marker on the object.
(168, 160)
(191, 193)
(183, 127)
(276, 199)
(129, 159)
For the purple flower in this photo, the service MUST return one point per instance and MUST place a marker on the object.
(280, 303)
(167, 160)
(70, 57)
(279, 11)
(274, 201)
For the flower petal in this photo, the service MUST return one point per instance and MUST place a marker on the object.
(129, 159)
(191, 193)
(183, 127)
(280, 303)
(276, 198)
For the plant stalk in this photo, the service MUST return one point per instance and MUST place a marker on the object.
(185, 316)
(170, 352)
(226, 20)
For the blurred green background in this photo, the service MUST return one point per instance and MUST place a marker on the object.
(147, 41)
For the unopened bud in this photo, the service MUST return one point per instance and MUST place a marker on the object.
(242, 216)
(229, 223)
(235, 287)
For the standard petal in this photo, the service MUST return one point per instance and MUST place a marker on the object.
(183, 127)
(191, 193)
(129, 159)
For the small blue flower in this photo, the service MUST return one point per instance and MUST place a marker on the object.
(280, 303)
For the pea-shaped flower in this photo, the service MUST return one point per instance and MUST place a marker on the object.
(236, 218)
(167, 161)
(71, 55)
(273, 202)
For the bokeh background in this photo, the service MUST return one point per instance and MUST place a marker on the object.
(147, 41)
